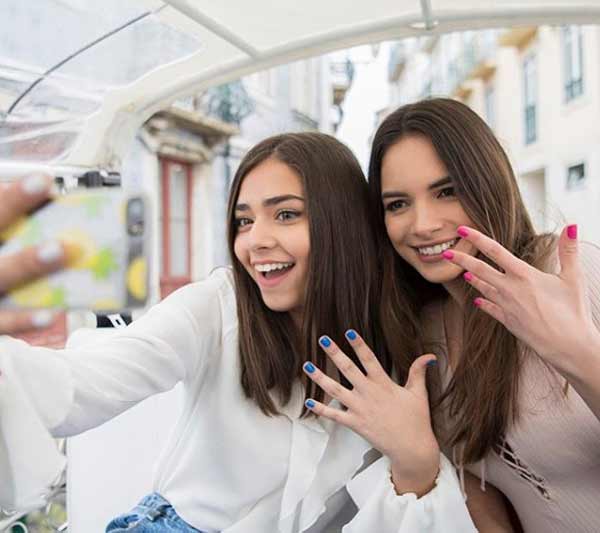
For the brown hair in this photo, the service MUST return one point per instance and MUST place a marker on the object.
(482, 395)
(342, 274)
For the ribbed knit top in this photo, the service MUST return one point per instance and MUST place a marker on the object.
(549, 463)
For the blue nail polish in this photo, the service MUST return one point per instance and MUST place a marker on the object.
(325, 341)
(351, 334)
(309, 367)
(432, 362)
(309, 403)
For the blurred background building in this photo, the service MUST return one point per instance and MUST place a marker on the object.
(539, 90)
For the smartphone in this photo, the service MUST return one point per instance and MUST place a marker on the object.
(109, 268)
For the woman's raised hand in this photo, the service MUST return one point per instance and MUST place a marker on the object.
(16, 200)
(394, 419)
(548, 312)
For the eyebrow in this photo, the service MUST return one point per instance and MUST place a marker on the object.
(446, 180)
(269, 202)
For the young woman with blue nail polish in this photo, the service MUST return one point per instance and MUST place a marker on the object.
(247, 455)
(518, 400)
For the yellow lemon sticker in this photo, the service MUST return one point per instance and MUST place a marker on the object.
(39, 294)
(136, 278)
(81, 248)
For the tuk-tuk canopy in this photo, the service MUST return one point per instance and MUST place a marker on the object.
(77, 78)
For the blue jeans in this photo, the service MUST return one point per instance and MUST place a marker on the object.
(153, 514)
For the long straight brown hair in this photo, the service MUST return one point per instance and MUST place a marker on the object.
(481, 397)
(343, 280)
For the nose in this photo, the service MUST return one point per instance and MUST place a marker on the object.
(260, 236)
(426, 221)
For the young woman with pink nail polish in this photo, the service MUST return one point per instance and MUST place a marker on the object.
(517, 402)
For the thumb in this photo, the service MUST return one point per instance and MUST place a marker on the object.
(568, 253)
(418, 372)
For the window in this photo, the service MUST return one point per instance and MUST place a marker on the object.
(573, 61)
(530, 98)
(490, 115)
(576, 176)
(176, 194)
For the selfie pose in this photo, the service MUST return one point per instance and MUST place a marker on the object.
(246, 454)
(512, 315)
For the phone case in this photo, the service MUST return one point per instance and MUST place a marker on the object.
(109, 271)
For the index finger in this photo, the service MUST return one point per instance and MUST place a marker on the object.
(343, 363)
(19, 198)
(365, 355)
(491, 249)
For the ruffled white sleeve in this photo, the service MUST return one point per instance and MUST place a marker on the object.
(47, 393)
(442, 510)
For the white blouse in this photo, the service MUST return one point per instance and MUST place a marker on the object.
(228, 467)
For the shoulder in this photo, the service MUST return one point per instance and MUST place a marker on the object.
(589, 254)
(209, 299)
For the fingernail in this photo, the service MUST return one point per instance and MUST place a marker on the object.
(432, 362)
(448, 254)
(309, 367)
(35, 184)
(42, 319)
(468, 276)
(351, 334)
(462, 231)
(50, 252)
(325, 341)
(309, 403)
(572, 231)
(477, 301)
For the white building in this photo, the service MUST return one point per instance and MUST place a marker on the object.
(539, 89)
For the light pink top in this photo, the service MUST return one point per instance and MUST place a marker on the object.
(549, 463)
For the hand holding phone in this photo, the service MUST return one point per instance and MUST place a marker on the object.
(101, 233)
(16, 200)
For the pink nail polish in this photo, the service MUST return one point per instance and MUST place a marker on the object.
(462, 231)
(468, 276)
(477, 301)
(448, 254)
(572, 232)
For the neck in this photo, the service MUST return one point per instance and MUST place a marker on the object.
(297, 315)
(456, 290)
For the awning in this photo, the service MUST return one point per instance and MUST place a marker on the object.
(78, 78)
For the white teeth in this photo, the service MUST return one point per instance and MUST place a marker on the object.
(438, 248)
(272, 266)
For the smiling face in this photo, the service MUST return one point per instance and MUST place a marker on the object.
(422, 212)
(272, 240)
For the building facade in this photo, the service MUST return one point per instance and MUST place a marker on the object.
(538, 88)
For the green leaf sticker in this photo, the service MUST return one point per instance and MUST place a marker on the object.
(103, 264)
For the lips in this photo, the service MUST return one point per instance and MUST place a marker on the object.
(271, 278)
(437, 249)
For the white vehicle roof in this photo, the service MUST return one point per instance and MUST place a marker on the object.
(78, 78)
